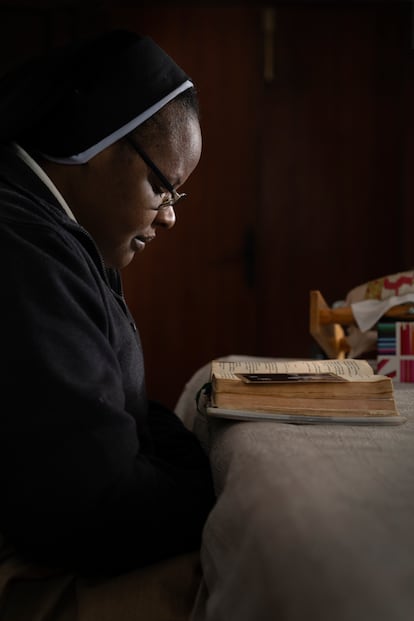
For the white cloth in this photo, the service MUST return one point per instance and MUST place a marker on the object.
(368, 312)
(311, 522)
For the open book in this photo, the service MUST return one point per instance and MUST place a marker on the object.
(301, 391)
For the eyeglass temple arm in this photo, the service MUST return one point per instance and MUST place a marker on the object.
(153, 167)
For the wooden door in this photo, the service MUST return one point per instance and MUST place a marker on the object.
(335, 121)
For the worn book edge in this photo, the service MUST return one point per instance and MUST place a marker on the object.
(305, 419)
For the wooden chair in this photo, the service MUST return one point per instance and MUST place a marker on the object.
(327, 324)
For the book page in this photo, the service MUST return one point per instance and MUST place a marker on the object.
(362, 418)
(349, 369)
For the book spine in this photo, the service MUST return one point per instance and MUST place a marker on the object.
(406, 351)
(395, 350)
(386, 340)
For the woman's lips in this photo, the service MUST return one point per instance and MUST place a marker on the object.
(139, 243)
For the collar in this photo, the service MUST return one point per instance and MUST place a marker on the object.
(23, 154)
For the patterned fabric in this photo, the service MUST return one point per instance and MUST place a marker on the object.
(388, 286)
(383, 288)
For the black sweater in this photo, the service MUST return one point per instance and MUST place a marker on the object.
(92, 475)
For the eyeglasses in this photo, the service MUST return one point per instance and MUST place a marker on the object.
(175, 196)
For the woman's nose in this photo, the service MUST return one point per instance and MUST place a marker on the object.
(166, 217)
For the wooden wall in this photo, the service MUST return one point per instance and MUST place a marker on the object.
(306, 179)
(337, 156)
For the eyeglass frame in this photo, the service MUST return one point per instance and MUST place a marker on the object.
(176, 196)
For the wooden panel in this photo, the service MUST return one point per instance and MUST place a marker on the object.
(333, 137)
(317, 167)
(407, 172)
(23, 33)
(29, 28)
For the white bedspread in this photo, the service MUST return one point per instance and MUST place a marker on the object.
(312, 523)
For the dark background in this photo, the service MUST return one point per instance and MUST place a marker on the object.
(306, 177)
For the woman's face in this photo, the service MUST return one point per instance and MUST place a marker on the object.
(116, 195)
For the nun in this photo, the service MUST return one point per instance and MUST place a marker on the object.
(104, 494)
